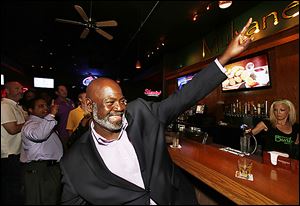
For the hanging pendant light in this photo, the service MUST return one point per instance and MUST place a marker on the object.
(224, 4)
(203, 50)
(138, 64)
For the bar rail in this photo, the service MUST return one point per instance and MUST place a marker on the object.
(216, 168)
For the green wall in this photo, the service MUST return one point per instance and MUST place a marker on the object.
(215, 41)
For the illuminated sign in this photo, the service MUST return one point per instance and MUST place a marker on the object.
(24, 89)
(87, 81)
(151, 93)
(43, 82)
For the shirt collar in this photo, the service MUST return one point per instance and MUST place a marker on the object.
(102, 140)
(9, 101)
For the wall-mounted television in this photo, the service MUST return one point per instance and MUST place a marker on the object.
(43, 82)
(248, 73)
(183, 80)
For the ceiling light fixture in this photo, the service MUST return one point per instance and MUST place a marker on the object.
(208, 7)
(138, 64)
(195, 16)
(224, 4)
(133, 37)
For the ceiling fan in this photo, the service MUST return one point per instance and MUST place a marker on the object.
(89, 23)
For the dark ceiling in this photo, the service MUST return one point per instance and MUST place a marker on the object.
(31, 38)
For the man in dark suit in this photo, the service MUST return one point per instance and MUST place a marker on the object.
(123, 158)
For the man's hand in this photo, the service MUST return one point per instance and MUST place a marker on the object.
(85, 108)
(237, 45)
(54, 108)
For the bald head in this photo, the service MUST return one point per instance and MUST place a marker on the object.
(102, 87)
(9, 85)
(107, 104)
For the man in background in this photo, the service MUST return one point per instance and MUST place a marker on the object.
(41, 152)
(77, 114)
(65, 105)
(12, 120)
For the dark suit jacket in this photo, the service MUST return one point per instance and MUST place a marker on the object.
(86, 179)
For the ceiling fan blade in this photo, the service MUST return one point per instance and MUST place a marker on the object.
(84, 33)
(104, 33)
(81, 12)
(69, 21)
(106, 23)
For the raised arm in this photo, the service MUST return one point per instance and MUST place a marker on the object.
(237, 45)
(205, 81)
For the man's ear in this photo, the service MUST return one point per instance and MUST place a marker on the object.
(6, 91)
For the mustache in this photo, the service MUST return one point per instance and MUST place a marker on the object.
(115, 114)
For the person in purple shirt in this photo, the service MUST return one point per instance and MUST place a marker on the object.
(65, 105)
(41, 152)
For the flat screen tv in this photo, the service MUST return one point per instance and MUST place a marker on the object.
(183, 80)
(248, 73)
(43, 82)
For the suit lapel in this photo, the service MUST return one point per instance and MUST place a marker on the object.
(97, 165)
(134, 137)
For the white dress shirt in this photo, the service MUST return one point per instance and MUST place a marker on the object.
(120, 157)
(39, 140)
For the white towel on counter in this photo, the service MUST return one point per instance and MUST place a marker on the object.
(274, 156)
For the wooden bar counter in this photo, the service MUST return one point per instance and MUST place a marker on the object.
(216, 168)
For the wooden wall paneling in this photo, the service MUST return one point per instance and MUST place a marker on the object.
(287, 74)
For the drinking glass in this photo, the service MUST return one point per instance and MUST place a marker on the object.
(175, 141)
(245, 167)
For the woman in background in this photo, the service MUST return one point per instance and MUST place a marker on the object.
(280, 132)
